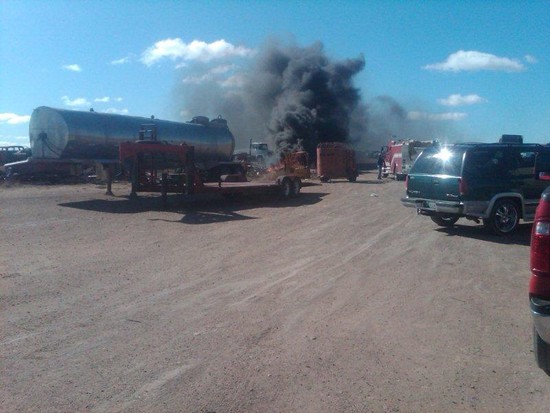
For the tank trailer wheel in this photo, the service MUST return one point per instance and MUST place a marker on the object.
(296, 186)
(286, 188)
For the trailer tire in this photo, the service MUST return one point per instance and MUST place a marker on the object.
(296, 186)
(286, 188)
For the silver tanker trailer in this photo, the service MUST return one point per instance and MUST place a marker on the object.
(61, 137)
(70, 134)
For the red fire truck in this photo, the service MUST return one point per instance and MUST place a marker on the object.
(400, 156)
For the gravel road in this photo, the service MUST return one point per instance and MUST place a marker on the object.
(340, 300)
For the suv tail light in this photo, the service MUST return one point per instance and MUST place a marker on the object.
(540, 249)
(407, 182)
(462, 186)
(539, 285)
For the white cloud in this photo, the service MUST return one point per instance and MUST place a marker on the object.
(121, 61)
(531, 59)
(117, 111)
(437, 116)
(75, 102)
(73, 68)
(197, 79)
(474, 61)
(460, 100)
(14, 119)
(219, 74)
(107, 99)
(176, 49)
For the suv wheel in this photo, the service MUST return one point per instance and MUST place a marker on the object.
(542, 352)
(444, 220)
(504, 218)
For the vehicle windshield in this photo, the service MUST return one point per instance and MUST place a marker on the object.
(446, 160)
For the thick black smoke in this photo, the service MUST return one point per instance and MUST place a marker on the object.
(311, 97)
(295, 97)
(290, 97)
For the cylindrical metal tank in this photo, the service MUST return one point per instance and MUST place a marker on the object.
(70, 134)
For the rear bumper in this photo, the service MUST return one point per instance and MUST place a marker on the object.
(430, 207)
(540, 310)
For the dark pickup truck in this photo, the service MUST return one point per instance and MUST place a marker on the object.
(13, 153)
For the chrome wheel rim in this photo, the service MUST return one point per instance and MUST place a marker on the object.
(506, 217)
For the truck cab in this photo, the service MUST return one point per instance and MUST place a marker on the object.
(257, 153)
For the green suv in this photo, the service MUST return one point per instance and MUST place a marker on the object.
(493, 182)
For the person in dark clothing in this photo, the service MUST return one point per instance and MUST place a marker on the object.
(380, 163)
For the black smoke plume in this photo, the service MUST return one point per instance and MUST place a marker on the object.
(294, 97)
(312, 98)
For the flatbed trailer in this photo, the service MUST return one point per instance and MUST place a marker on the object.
(165, 168)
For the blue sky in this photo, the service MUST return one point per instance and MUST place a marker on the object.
(479, 68)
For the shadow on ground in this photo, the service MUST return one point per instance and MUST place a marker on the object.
(522, 236)
(196, 209)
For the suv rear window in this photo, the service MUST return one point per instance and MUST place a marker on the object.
(446, 160)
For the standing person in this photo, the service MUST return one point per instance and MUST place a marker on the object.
(380, 163)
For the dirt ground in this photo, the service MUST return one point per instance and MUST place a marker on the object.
(340, 300)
